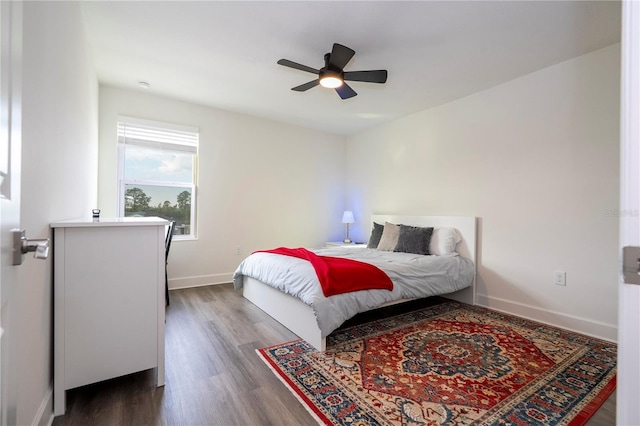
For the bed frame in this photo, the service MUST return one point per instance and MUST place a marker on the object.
(299, 317)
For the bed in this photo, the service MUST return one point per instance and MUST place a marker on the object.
(314, 319)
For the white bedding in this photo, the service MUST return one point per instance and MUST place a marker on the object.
(413, 276)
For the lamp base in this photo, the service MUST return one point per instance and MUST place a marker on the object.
(346, 240)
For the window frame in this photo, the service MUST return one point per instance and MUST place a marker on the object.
(123, 182)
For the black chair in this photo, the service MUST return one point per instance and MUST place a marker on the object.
(167, 246)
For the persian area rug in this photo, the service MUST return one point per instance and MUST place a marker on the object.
(449, 364)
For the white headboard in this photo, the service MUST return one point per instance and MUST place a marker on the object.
(466, 226)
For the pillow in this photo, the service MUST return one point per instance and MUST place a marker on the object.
(376, 234)
(389, 238)
(414, 239)
(444, 241)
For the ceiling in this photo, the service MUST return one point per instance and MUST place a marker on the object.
(223, 54)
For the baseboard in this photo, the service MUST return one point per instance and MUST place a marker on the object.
(44, 416)
(608, 332)
(199, 281)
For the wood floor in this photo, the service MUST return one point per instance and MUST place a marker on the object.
(213, 376)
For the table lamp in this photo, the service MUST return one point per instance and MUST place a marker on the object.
(347, 217)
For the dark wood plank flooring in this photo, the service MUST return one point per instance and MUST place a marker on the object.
(213, 376)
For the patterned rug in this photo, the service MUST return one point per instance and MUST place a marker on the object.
(449, 364)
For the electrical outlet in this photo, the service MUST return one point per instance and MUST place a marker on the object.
(238, 251)
(560, 278)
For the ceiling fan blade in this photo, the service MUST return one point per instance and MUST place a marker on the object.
(306, 86)
(345, 91)
(291, 64)
(340, 55)
(373, 76)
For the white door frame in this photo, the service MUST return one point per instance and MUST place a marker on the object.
(628, 408)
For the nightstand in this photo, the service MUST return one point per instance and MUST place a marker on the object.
(341, 244)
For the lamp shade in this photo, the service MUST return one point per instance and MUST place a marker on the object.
(347, 217)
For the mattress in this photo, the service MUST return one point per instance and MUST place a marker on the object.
(413, 276)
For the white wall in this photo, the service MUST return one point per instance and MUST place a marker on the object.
(261, 184)
(537, 161)
(59, 175)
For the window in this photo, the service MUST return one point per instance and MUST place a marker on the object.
(157, 167)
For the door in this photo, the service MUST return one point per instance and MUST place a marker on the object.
(10, 158)
(628, 409)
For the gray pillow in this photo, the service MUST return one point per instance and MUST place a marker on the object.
(376, 234)
(389, 237)
(414, 239)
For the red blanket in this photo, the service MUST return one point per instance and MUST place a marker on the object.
(338, 275)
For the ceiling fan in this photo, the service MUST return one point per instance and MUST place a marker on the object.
(333, 76)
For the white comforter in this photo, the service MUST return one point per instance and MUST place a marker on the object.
(413, 276)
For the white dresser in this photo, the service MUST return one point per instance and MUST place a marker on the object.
(109, 301)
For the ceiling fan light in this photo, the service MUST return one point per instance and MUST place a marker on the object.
(330, 82)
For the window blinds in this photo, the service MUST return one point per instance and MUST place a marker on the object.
(150, 134)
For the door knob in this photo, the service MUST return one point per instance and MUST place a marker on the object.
(23, 245)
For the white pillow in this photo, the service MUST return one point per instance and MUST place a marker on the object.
(444, 241)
